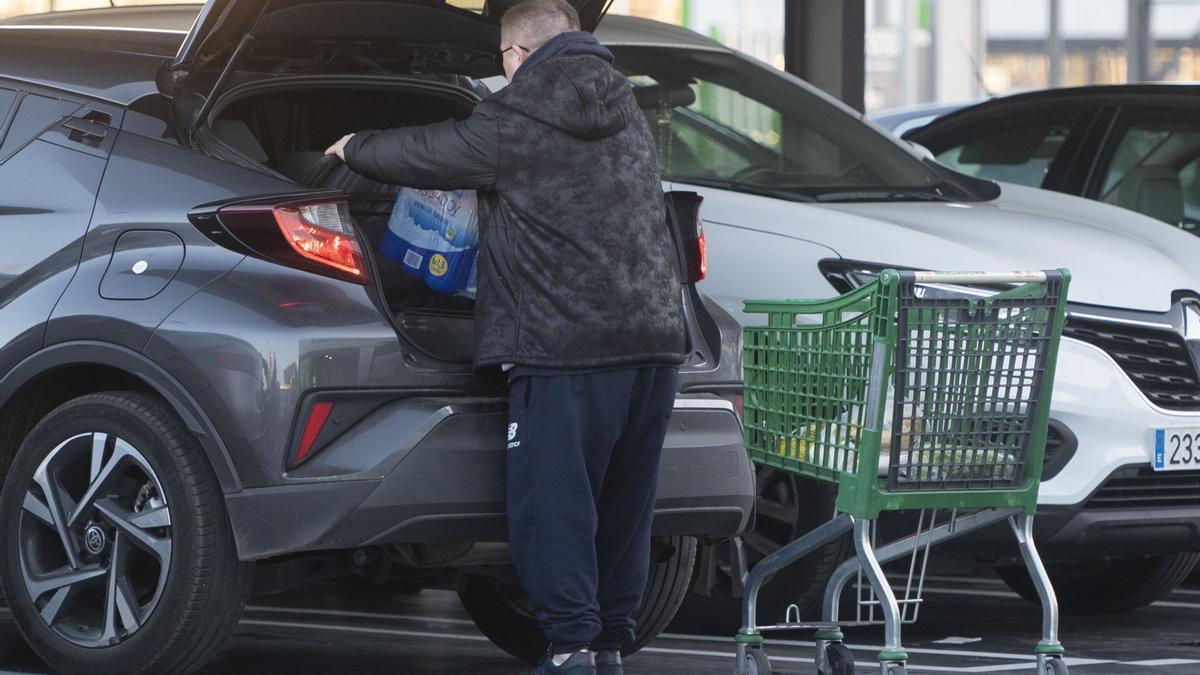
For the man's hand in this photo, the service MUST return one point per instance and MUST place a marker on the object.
(339, 148)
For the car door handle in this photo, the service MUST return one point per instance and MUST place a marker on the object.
(86, 131)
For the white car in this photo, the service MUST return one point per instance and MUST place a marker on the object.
(803, 199)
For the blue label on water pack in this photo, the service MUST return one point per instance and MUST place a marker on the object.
(1160, 453)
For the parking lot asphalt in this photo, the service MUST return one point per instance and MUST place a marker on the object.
(969, 624)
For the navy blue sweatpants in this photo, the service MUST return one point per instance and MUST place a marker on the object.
(582, 474)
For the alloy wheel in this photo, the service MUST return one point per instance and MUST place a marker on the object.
(95, 540)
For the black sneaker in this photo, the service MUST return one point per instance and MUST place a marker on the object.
(580, 663)
(608, 662)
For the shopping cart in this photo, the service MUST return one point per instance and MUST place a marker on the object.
(920, 391)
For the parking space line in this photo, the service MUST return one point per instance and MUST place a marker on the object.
(1170, 603)
(983, 594)
(664, 650)
(650, 650)
(1009, 594)
(861, 647)
(953, 580)
(871, 666)
(363, 629)
(668, 636)
(1022, 659)
(359, 615)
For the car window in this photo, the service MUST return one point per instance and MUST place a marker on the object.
(1015, 154)
(1153, 170)
(34, 115)
(709, 138)
(724, 120)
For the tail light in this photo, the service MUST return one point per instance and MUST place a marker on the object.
(690, 228)
(316, 234)
(323, 233)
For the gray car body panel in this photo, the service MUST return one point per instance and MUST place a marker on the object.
(437, 484)
(237, 344)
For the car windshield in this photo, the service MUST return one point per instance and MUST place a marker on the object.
(727, 121)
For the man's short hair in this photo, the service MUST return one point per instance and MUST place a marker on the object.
(532, 23)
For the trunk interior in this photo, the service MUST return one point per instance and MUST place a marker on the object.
(288, 131)
(287, 126)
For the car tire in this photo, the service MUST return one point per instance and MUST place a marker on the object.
(157, 586)
(1128, 583)
(502, 612)
(788, 506)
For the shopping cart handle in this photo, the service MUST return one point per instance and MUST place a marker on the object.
(978, 277)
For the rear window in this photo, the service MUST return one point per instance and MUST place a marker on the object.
(1014, 154)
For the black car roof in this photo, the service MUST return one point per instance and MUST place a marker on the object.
(117, 65)
(1112, 93)
(1139, 89)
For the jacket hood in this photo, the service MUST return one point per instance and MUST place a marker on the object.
(570, 85)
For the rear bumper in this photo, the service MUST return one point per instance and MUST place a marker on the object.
(432, 470)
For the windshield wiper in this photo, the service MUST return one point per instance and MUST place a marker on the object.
(749, 188)
(937, 192)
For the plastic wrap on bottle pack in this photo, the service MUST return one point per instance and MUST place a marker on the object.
(434, 235)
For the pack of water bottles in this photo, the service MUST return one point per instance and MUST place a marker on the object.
(434, 236)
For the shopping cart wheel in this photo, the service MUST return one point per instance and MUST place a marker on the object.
(1056, 666)
(840, 659)
(757, 663)
(896, 669)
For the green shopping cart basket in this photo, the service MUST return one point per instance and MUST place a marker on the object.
(920, 391)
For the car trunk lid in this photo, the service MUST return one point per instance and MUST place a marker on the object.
(380, 36)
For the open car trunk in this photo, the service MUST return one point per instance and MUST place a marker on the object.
(288, 129)
(287, 125)
(275, 82)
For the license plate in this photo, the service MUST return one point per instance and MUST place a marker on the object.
(1176, 449)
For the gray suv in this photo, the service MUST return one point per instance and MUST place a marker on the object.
(211, 385)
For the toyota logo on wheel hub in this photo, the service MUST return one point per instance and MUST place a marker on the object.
(94, 539)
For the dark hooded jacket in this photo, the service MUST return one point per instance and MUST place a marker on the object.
(576, 265)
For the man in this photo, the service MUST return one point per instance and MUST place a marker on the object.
(578, 301)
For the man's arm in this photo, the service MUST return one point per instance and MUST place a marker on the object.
(449, 155)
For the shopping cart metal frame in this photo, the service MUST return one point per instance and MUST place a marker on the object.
(835, 384)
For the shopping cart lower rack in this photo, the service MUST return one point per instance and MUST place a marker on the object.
(920, 391)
